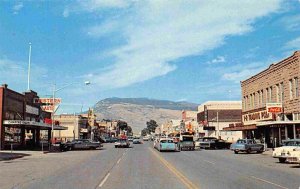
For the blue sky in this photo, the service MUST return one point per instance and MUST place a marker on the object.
(176, 50)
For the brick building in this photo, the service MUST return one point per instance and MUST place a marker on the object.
(23, 124)
(271, 108)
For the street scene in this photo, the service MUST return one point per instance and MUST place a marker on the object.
(149, 94)
(140, 166)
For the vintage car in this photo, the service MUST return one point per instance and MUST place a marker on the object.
(81, 144)
(165, 144)
(285, 150)
(136, 141)
(294, 157)
(122, 143)
(186, 142)
(212, 143)
(247, 145)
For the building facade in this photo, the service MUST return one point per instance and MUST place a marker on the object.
(214, 116)
(271, 102)
(23, 123)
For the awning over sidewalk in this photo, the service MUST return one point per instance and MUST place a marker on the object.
(240, 128)
(34, 124)
(270, 123)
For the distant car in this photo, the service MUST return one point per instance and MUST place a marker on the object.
(283, 152)
(83, 144)
(130, 139)
(146, 138)
(137, 141)
(247, 145)
(165, 144)
(122, 143)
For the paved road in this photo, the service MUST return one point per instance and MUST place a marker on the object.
(143, 167)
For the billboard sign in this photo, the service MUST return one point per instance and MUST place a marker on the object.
(274, 107)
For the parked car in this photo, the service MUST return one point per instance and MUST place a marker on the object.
(111, 139)
(212, 143)
(122, 143)
(294, 157)
(137, 141)
(165, 144)
(83, 144)
(283, 152)
(247, 145)
(59, 146)
(186, 142)
(197, 142)
(130, 139)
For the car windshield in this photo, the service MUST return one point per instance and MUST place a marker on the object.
(187, 138)
(241, 142)
(291, 143)
(166, 141)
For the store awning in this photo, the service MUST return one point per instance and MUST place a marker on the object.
(33, 124)
(270, 123)
(240, 128)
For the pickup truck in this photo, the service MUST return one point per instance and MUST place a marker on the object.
(247, 145)
(186, 142)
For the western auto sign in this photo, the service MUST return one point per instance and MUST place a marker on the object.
(274, 107)
(46, 100)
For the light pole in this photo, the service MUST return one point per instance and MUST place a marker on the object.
(29, 65)
(53, 102)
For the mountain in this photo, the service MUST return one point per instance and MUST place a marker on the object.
(137, 111)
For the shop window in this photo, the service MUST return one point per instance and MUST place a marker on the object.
(12, 135)
(289, 117)
(270, 94)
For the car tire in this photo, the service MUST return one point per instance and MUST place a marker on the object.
(282, 160)
(236, 152)
(70, 148)
(248, 151)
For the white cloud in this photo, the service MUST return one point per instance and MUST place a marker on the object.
(102, 29)
(293, 44)
(17, 7)
(66, 12)
(291, 23)
(159, 32)
(219, 59)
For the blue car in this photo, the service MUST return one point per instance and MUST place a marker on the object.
(165, 144)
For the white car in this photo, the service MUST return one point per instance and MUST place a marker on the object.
(146, 138)
(283, 152)
(294, 157)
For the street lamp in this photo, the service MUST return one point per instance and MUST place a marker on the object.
(53, 101)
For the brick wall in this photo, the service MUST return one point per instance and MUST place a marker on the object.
(277, 73)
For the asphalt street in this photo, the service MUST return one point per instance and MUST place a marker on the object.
(143, 167)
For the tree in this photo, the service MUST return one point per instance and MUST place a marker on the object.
(145, 132)
(151, 126)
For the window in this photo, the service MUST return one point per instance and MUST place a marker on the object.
(291, 89)
(258, 96)
(277, 93)
(253, 100)
(270, 94)
(262, 97)
(267, 92)
(250, 105)
(296, 87)
(281, 92)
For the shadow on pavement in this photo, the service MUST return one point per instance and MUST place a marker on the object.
(4, 156)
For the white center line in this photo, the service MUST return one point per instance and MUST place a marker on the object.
(104, 180)
(118, 161)
(269, 182)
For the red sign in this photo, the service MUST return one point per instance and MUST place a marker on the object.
(274, 109)
(47, 108)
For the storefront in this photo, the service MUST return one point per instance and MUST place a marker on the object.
(23, 124)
